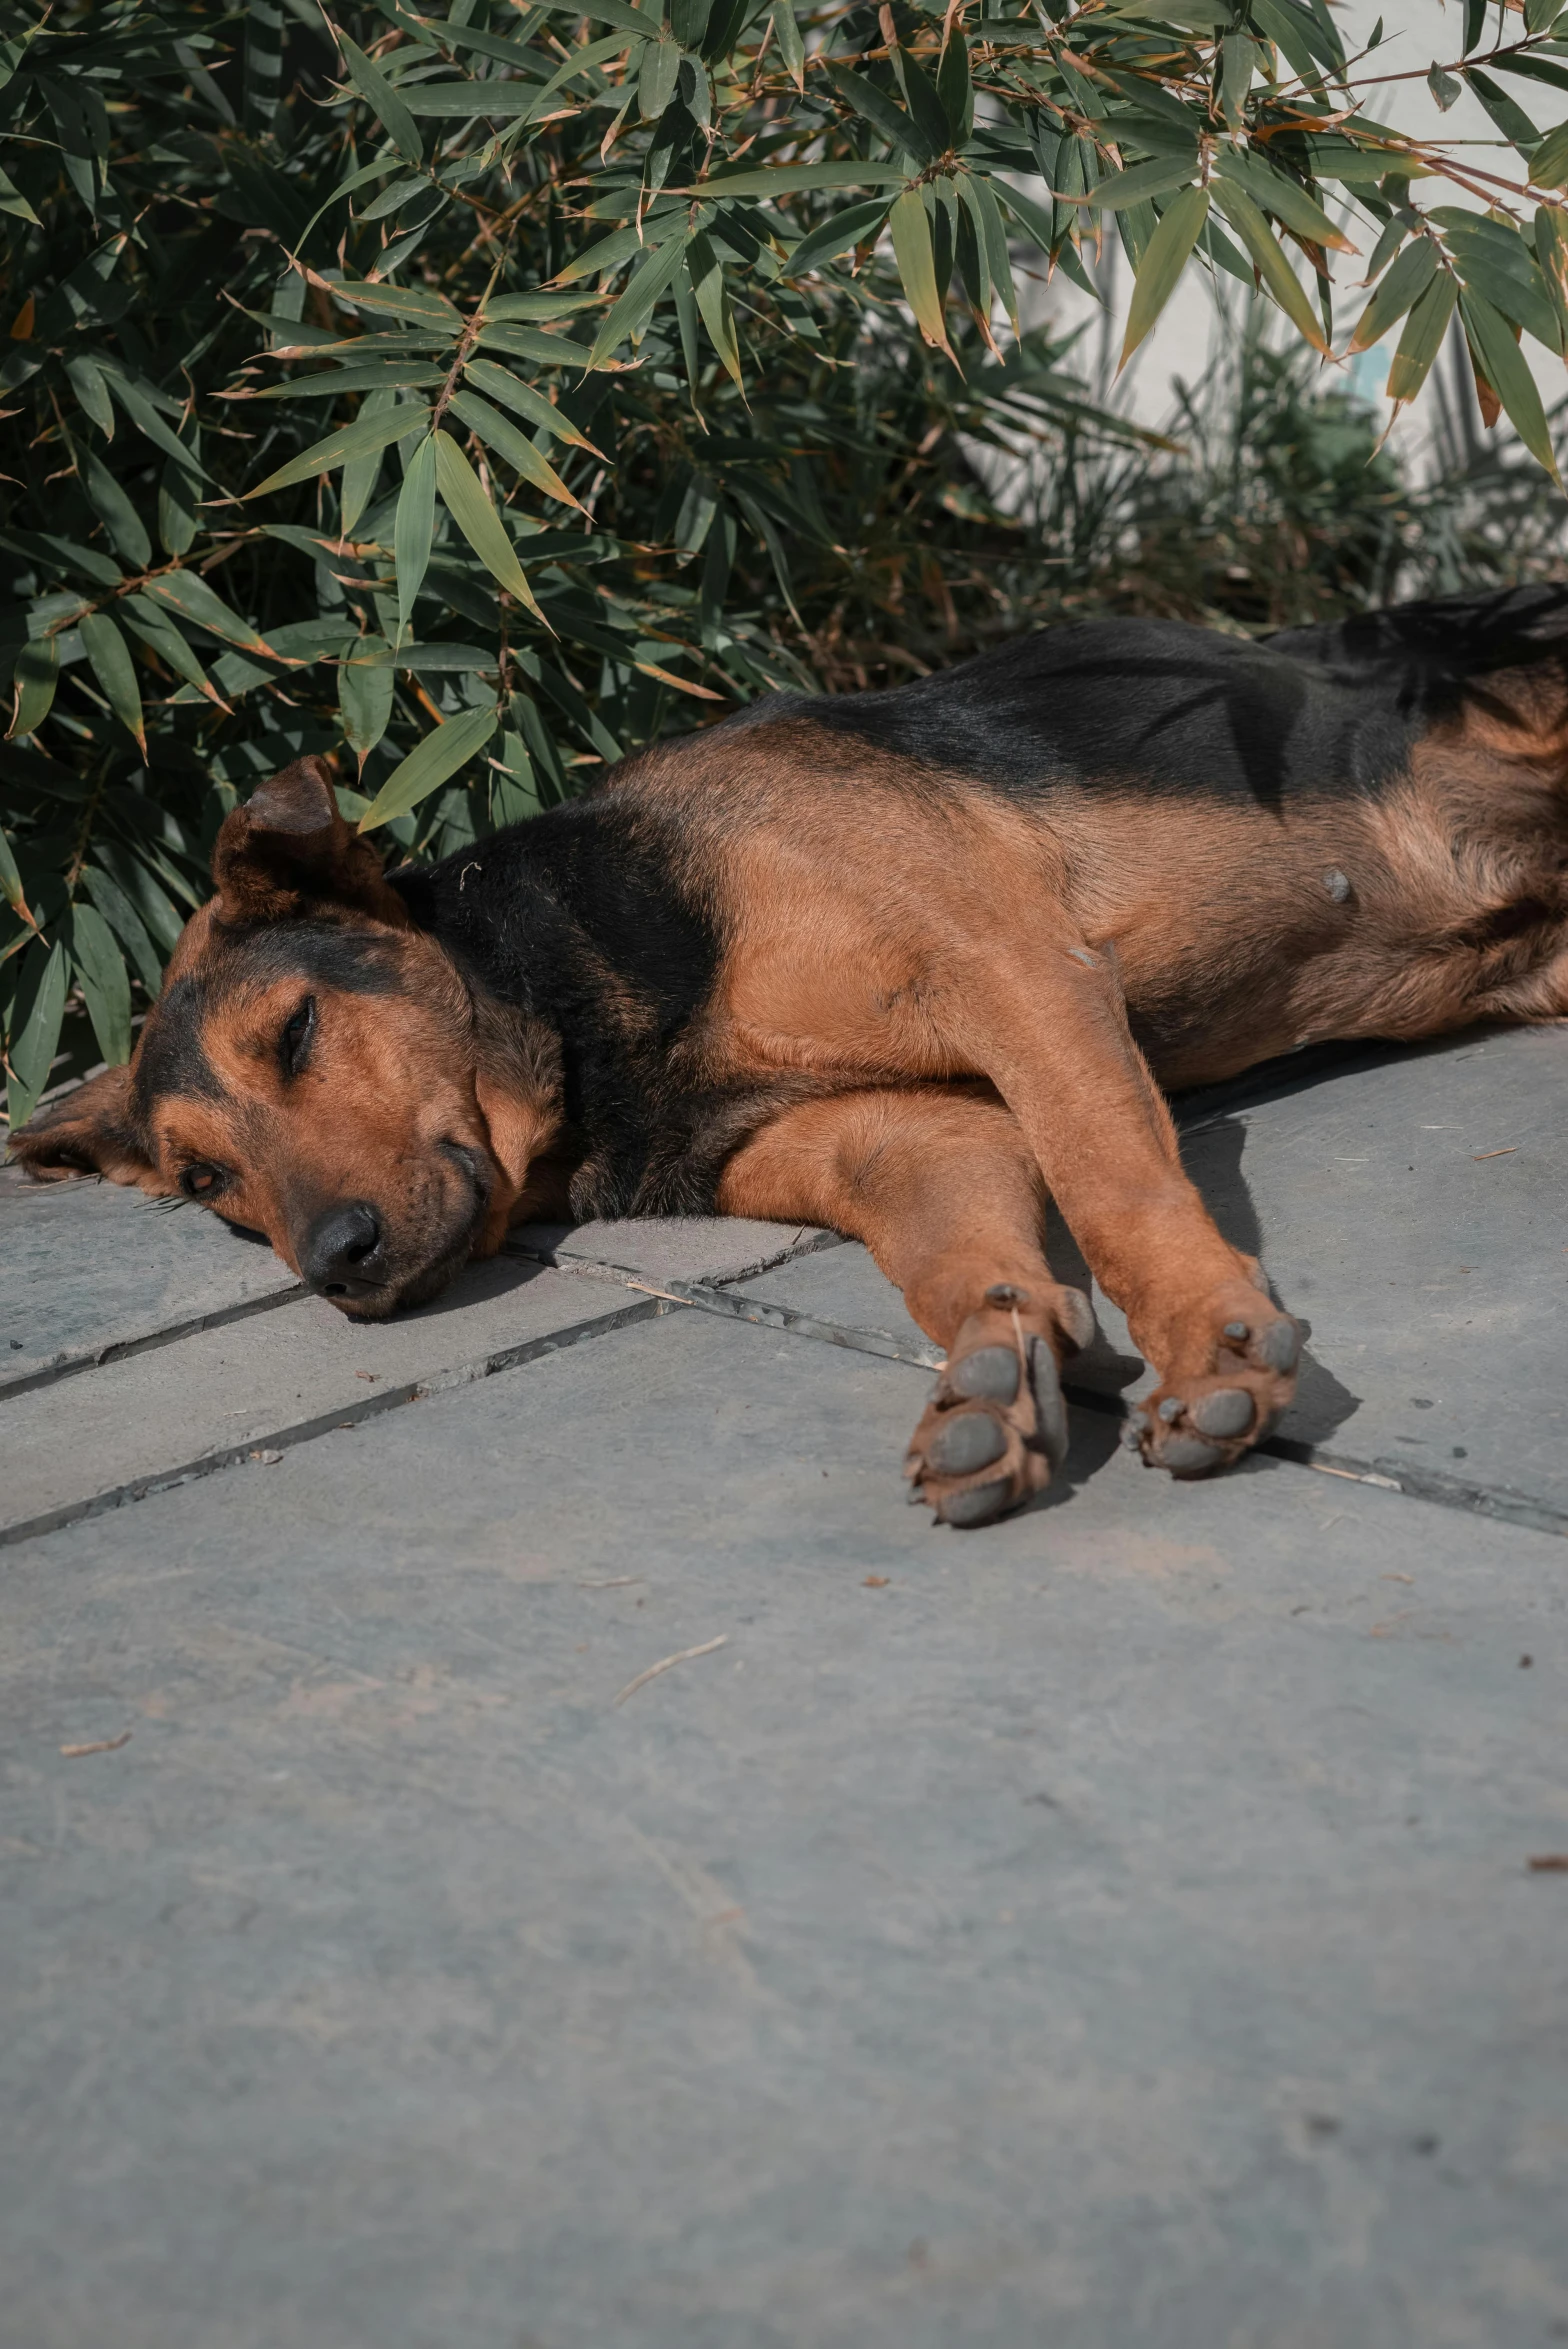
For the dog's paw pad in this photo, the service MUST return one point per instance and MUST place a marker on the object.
(1232, 1373)
(1225, 1411)
(996, 1424)
(963, 1442)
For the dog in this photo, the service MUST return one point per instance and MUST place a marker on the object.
(900, 963)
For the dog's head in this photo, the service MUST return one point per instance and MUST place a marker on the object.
(316, 1070)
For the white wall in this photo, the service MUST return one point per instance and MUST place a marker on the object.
(1415, 33)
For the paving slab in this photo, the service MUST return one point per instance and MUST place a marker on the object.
(671, 1247)
(1413, 1206)
(1113, 1928)
(88, 1268)
(108, 1435)
(1433, 1274)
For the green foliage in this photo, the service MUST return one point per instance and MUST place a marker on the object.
(479, 392)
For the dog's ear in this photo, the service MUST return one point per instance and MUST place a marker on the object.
(288, 849)
(91, 1130)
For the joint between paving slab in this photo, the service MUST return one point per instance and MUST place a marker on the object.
(1499, 1502)
(121, 1349)
(345, 1416)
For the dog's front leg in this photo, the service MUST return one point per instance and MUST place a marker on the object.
(1046, 1023)
(944, 1191)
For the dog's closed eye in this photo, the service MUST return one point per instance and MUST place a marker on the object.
(299, 1032)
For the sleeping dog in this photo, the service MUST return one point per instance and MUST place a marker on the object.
(898, 963)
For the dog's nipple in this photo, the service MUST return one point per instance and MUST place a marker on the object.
(1337, 884)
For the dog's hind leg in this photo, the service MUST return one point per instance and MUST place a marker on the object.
(1046, 1023)
(944, 1191)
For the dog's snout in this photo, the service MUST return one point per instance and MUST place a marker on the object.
(338, 1258)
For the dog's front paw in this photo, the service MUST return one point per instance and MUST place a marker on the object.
(1233, 1372)
(995, 1428)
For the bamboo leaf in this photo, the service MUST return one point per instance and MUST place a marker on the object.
(110, 660)
(997, 258)
(789, 179)
(1165, 257)
(11, 879)
(1406, 282)
(365, 685)
(127, 925)
(1502, 362)
(500, 434)
(786, 28)
(435, 760)
(414, 529)
(37, 672)
(879, 110)
(1290, 204)
(1549, 163)
(187, 592)
(158, 632)
(1271, 263)
(1509, 116)
(12, 200)
(127, 531)
(500, 384)
(912, 249)
(86, 380)
(389, 109)
(462, 494)
(377, 375)
(100, 967)
(855, 225)
(713, 302)
(414, 306)
(32, 1050)
(1551, 250)
(361, 474)
(661, 62)
(1422, 339)
(630, 313)
(1140, 183)
(366, 434)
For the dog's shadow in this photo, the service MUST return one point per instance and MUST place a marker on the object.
(1212, 1146)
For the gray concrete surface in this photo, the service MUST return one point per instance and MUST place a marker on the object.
(1115, 1930)
(88, 1270)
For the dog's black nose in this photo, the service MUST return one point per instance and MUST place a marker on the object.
(337, 1259)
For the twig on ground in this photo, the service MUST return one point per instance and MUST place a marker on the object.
(681, 1656)
(100, 1745)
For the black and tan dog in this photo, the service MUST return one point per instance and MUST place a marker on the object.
(899, 963)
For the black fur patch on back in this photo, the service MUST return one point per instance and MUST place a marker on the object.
(1178, 711)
